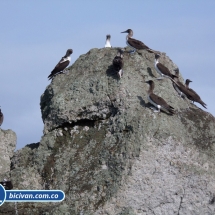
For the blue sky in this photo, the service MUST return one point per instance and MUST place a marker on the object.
(36, 34)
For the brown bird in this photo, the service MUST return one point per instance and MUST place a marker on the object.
(118, 63)
(161, 69)
(177, 88)
(157, 101)
(135, 44)
(6, 184)
(1, 117)
(191, 95)
(194, 97)
(63, 63)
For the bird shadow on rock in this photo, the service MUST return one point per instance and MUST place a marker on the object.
(142, 102)
(150, 72)
(111, 72)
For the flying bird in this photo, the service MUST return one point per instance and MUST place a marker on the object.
(157, 101)
(1, 117)
(135, 44)
(118, 63)
(161, 69)
(63, 63)
(6, 184)
(107, 43)
(193, 96)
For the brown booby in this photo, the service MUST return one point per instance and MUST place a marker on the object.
(161, 69)
(7, 184)
(157, 101)
(107, 43)
(179, 84)
(1, 117)
(194, 97)
(191, 95)
(118, 63)
(135, 44)
(63, 63)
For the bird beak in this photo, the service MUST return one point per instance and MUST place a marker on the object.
(124, 32)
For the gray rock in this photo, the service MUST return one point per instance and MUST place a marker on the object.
(110, 154)
(7, 147)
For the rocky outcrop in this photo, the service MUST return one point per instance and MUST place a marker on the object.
(7, 147)
(110, 154)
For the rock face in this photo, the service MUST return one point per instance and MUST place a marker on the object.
(7, 147)
(110, 154)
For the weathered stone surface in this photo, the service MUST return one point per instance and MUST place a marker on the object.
(7, 147)
(110, 154)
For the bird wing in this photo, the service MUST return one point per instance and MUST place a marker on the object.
(159, 101)
(137, 44)
(192, 95)
(59, 67)
(193, 92)
(164, 69)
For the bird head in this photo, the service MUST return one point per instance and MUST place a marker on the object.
(176, 72)
(69, 52)
(108, 36)
(157, 56)
(188, 81)
(150, 82)
(127, 31)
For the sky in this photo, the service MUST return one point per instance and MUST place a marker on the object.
(36, 34)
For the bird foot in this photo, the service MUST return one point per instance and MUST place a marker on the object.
(181, 96)
(160, 78)
(64, 71)
(155, 110)
(132, 51)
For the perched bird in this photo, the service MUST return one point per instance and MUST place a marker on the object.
(176, 87)
(1, 117)
(118, 63)
(157, 101)
(135, 44)
(107, 43)
(190, 94)
(193, 96)
(63, 63)
(6, 184)
(161, 69)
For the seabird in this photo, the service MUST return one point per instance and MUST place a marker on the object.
(190, 94)
(1, 117)
(161, 69)
(107, 43)
(63, 63)
(6, 184)
(179, 84)
(118, 63)
(135, 44)
(157, 101)
(194, 97)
